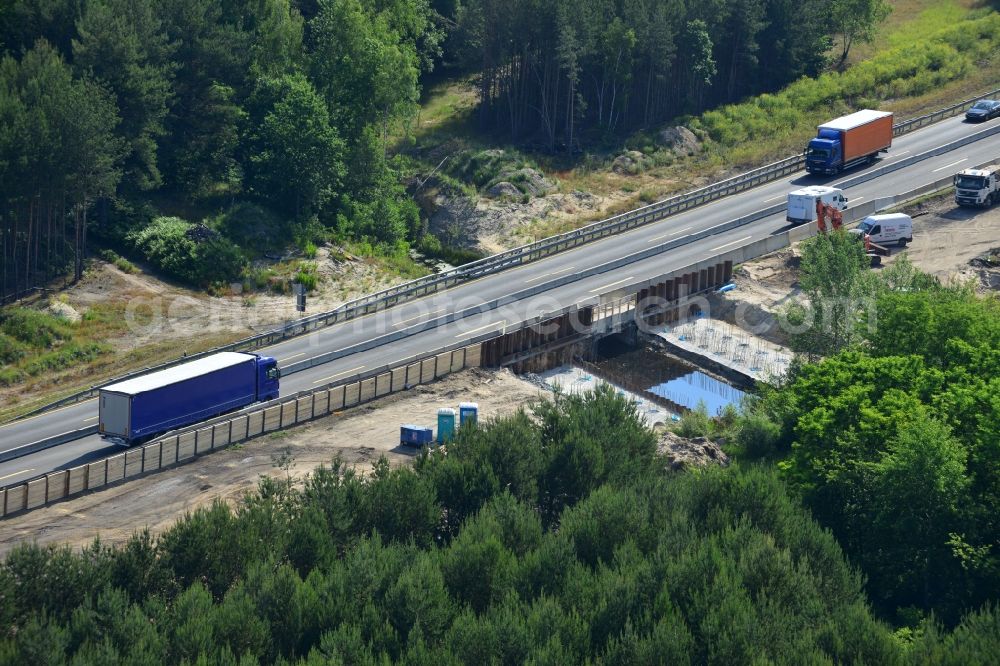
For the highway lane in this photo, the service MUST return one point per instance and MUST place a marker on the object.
(514, 280)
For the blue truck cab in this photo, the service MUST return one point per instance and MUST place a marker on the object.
(824, 153)
(850, 140)
(138, 409)
(268, 375)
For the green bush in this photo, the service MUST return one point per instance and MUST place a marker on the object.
(34, 328)
(120, 262)
(695, 423)
(11, 350)
(307, 275)
(65, 356)
(758, 436)
(165, 243)
(309, 250)
(11, 376)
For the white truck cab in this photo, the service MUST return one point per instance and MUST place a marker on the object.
(978, 187)
(802, 203)
(885, 229)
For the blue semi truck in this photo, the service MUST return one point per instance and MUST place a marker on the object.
(136, 410)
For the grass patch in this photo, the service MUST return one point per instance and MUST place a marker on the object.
(395, 261)
(307, 276)
(118, 261)
(34, 342)
(751, 131)
(431, 246)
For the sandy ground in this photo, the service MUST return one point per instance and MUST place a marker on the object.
(158, 308)
(946, 238)
(165, 319)
(358, 435)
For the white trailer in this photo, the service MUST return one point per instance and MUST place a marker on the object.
(802, 203)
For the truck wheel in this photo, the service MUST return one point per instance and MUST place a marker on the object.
(901, 242)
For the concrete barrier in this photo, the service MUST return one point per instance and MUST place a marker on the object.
(255, 424)
(185, 446)
(151, 456)
(321, 404)
(427, 370)
(116, 468)
(56, 489)
(133, 463)
(14, 500)
(304, 408)
(336, 398)
(287, 414)
(457, 360)
(77, 480)
(442, 365)
(36, 493)
(474, 356)
(97, 474)
(367, 389)
(352, 393)
(272, 418)
(413, 374)
(239, 429)
(3, 501)
(168, 451)
(220, 435)
(398, 380)
(383, 384)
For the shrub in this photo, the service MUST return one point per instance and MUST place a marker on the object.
(309, 251)
(34, 328)
(307, 275)
(120, 262)
(11, 376)
(11, 350)
(64, 357)
(167, 245)
(695, 423)
(758, 435)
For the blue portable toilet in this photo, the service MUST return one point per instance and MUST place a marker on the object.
(446, 425)
(468, 412)
(414, 435)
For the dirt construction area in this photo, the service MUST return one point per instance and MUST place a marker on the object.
(358, 435)
(954, 244)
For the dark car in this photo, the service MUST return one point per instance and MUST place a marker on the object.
(984, 109)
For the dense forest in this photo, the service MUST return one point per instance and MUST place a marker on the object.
(284, 105)
(559, 539)
(859, 524)
(279, 112)
(557, 70)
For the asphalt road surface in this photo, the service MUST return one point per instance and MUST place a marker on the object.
(415, 314)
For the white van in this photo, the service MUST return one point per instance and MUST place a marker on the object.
(802, 203)
(885, 229)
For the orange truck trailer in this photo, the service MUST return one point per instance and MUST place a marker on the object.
(844, 142)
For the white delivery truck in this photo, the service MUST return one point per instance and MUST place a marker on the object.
(886, 229)
(978, 187)
(802, 203)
